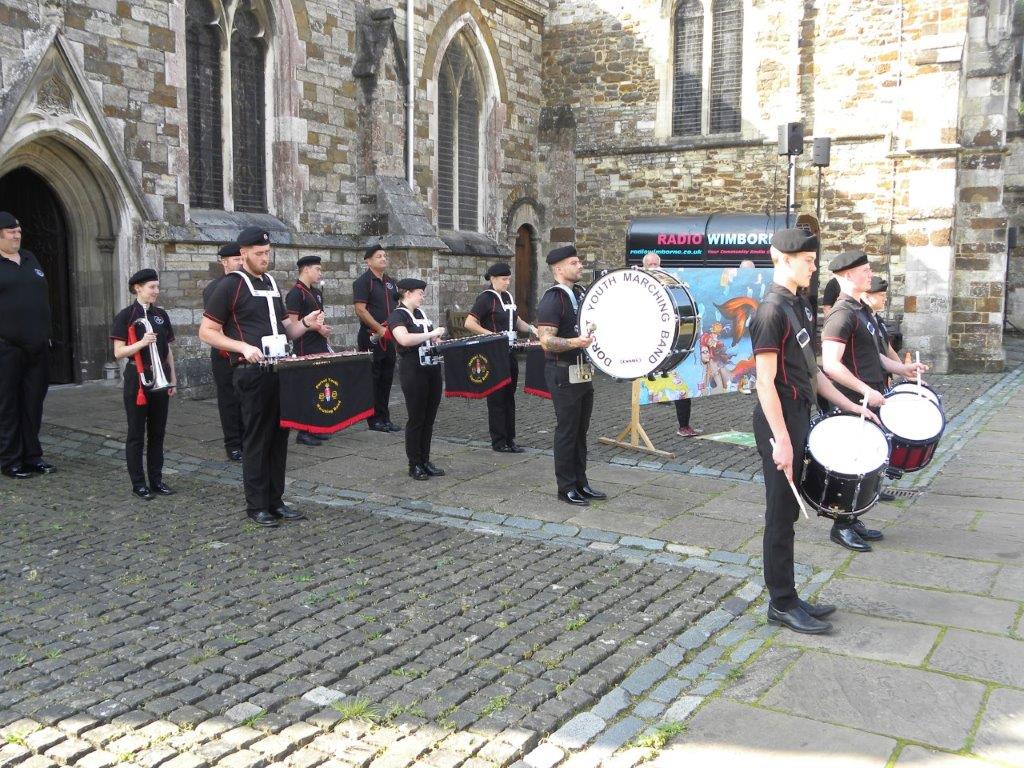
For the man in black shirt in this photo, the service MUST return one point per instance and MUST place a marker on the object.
(785, 399)
(850, 355)
(875, 301)
(303, 298)
(245, 317)
(567, 375)
(375, 297)
(24, 354)
(494, 311)
(228, 407)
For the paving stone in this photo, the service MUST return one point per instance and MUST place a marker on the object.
(544, 756)
(871, 638)
(986, 657)
(889, 696)
(578, 731)
(1001, 731)
(645, 676)
(668, 690)
(898, 567)
(682, 708)
(649, 709)
(69, 750)
(913, 756)
(242, 712)
(323, 697)
(612, 703)
(642, 543)
(98, 758)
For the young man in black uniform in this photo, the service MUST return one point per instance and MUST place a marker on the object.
(146, 410)
(567, 375)
(494, 311)
(375, 297)
(302, 299)
(245, 316)
(781, 330)
(228, 407)
(421, 384)
(875, 300)
(850, 356)
(24, 354)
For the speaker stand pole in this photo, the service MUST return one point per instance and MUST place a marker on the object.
(817, 206)
(791, 190)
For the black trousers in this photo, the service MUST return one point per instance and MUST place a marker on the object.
(683, 409)
(421, 385)
(228, 406)
(147, 425)
(574, 403)
(382, 370)
(501, 409)
(781, 508)
(264, 442)
(24, 380)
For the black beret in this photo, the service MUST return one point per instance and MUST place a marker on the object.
(498, 270)
(561, 254)
(372, 249)
(142, 276)
(228, 250)
(254, 236)
(794, 241)
(308, 261)
(410, 284)
(878, 284)
(847, 260)
(7, 220)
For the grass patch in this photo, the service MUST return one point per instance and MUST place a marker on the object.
(251, 720)
(496, 704)
(16, 738)
(357, 709)
(578, 623)
(659, 736)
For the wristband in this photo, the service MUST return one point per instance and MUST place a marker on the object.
(304, 323)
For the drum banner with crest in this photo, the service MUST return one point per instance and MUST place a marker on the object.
(534, 382)
(478, 370)
(328, 398)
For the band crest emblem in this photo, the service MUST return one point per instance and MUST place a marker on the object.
(479, 369)
(327, 396)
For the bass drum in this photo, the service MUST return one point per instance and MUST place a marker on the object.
(645, 321)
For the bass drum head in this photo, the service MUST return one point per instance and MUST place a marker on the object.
(848, 445)
(646, 322)
(924, 391)
(912, 418)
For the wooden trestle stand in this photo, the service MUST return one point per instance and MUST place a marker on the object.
(635, 431)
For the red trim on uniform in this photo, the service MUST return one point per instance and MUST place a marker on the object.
(853, 351)
(217, 320)
(546, 325)
(234, 314)
(833, 338)
(286, 424)
(479, 395)
(767, 349)
(118, 338)
(537, 392)
(494, 316)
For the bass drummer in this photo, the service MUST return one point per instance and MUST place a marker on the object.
(788, 381)
(850, 356)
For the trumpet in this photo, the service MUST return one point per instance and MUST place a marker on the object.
(157, 381)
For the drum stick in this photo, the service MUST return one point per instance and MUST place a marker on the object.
(917, 359)
(792, 487)
(863, 421)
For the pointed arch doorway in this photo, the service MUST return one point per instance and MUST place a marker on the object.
(524, 272)
(45, 232)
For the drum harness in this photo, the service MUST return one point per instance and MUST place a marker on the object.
(581, 372)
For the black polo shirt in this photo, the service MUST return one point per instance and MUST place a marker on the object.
(400, 317)
(379, 294)
(161, 323)
(770, 331)
(852, 324)
(299, 302)
(24, 302)
(490, 312)
(556, 311)
(244, 316)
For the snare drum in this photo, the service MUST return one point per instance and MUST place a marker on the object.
(646, 322)
(844, 463)
(915, 423)
(923, 391)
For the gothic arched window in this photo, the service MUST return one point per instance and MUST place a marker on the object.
(726, 65)
(688, 68)
(202, 61)
(458, 140)
(229, 31)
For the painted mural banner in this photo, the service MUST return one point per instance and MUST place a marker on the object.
(722, 360)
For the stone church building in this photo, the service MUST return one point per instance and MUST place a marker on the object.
(148, 132)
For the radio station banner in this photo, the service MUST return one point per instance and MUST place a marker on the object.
(478, 370)
(327, 398)
(722, 359)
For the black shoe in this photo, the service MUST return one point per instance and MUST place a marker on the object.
(264, 518)
(392, 427)
(502, 448)
(847, 537)
(142, 492)
(797, 619)
(817, 610)
(39, 467)
(284, 512)
(574, 497)
(17, 472)
(234, 454)
(417, 472)
(323, 438)
(432, 470)
(591, 493)
(304, 438)
(162, 489)
(868, 534)
(886, 496)
(515, 448)
(379, 426)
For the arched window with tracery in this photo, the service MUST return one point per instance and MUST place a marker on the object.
(202, 61)
(458, 144)
(248, 113)
(726, 65)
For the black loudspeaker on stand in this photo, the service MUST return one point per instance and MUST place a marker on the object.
(791, 139)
